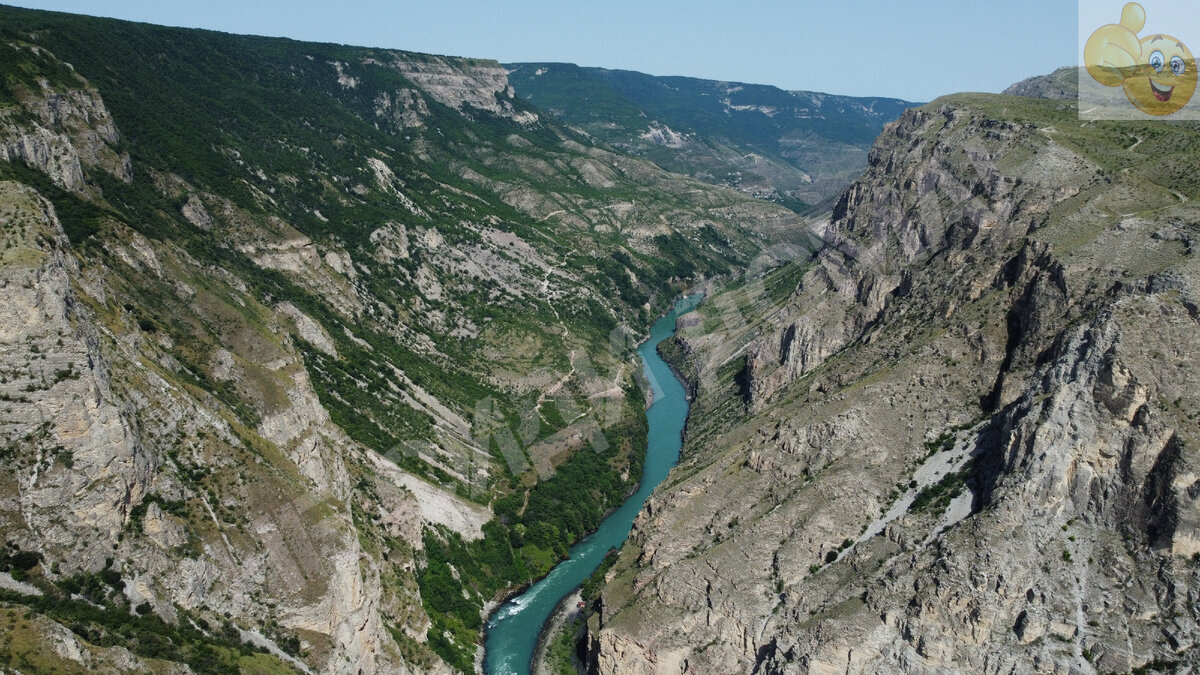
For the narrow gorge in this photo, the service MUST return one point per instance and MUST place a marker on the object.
(519, 624)
(314, 357)
(310, 353)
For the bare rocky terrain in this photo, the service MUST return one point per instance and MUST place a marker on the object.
(961, 438)
(1062, 84)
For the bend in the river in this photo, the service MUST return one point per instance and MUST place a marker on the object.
(514, 627)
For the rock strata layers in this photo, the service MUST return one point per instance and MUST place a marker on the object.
(960, 438)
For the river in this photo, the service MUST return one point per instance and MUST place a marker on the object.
(514, 627)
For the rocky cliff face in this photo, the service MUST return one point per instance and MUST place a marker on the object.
(934, 186)
(959, 438)
(99, 431)
(77, 462)
(482, 85)
(59, 128)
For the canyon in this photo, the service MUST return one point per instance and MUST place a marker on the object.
(312, 354)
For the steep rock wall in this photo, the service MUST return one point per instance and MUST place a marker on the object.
(963, 442)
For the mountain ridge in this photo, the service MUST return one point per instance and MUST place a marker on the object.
(795, 147)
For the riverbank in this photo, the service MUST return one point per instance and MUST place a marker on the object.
(514, 635)
(563, 618)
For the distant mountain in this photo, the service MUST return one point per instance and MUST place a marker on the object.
(1061, 84)
(797, 148)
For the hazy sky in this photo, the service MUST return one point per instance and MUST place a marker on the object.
(907, 49)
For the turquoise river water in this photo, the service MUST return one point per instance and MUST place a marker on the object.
(514, 627)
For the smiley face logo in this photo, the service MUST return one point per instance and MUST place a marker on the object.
(1167, 77)
(1158, 73)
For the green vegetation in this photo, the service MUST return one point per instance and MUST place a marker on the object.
(17, 562)
(80, 219)
(561, 652)
(565, 648)
(93, 606)
(943, 442)
(218, 651)
(591, 588)
(137, 515)
(936, 497)
(522, 545)
(793, 135)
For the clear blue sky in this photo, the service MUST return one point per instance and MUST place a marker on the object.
(909, 49)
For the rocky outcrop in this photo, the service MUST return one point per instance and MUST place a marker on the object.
(1062, 84)
(406, 108)
(60, 128)
(933, 187)
(1080, 541)
(967, 445)
(310, 331)
(76, 462)
(460, 84)
(42, 149)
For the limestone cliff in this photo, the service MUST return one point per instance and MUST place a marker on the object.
(960, 438)
(77, 462)
(482, 85)
(92, 432)
(59, 128)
